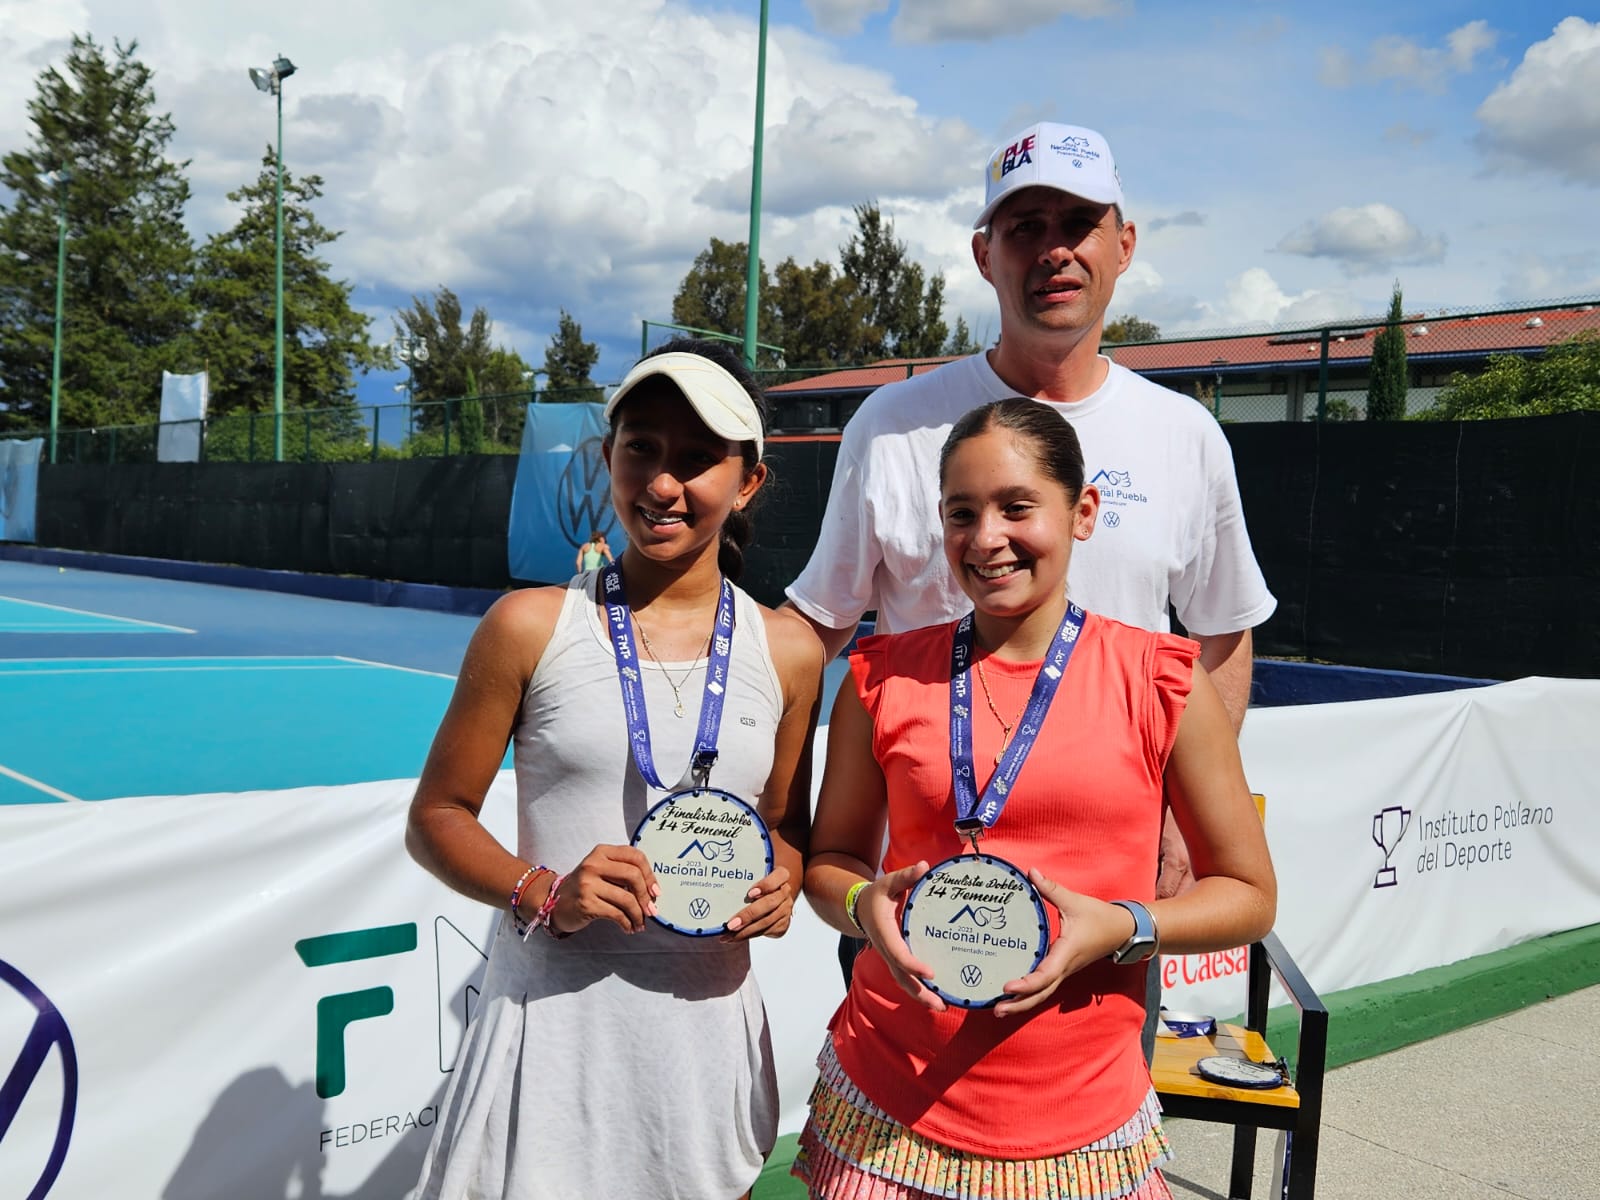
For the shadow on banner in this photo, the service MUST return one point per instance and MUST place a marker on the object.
(562, 492)
(19, 488)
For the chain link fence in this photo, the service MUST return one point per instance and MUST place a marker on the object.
(1317, 373)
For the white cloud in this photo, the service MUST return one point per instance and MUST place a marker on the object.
(1554, 277)
(1371, 237)
(1253, 298)
(844, 18)
(1187, 218)
(983, 20)
(1405, 135)
(1405, 62)
(1548, 113)
(1335, 67)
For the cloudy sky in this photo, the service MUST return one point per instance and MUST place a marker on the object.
(1284, 162)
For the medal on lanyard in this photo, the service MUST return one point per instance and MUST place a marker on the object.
(705, 845)
(975, 918)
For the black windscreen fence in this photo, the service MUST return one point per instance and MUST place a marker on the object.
(1462, 549)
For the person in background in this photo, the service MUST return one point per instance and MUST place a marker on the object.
(594, 552)
(610, 1056)
(1052, 240)
(1045, 1094)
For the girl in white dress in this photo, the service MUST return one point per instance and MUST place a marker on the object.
(610, 1056)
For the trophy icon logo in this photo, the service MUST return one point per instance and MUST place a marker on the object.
(1388, 827)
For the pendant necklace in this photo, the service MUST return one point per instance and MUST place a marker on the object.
(677, 696)
(1005, 726)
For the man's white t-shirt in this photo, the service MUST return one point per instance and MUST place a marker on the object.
(1171, 526)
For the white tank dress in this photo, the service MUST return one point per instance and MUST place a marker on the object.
(610, 1064)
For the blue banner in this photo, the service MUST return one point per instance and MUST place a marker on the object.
(19, 488)
(562, 493)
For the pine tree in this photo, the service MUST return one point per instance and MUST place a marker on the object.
(325, 340)
(568, 359)
(127, 313)
(961, 340)
(1386, 390)
(455, 353)
(905, 308)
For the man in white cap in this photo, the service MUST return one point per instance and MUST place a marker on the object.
(1052, 241)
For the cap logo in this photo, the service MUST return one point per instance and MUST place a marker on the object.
(1014, 156)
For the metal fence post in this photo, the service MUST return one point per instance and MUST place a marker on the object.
(1322, 379)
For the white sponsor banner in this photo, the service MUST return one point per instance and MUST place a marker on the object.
(19, 488)
(259, 994)
(183, 413)
(1417, 831)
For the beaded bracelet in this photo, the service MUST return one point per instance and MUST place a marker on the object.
(851, 899)
(546, 910)
(516, 895)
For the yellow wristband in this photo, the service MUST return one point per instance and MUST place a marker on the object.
(850, 900)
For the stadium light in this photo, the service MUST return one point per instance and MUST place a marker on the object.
(270, 80)
(60, 178)
(752, 281)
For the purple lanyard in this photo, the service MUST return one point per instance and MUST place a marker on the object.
(619, 621)
(972, 815)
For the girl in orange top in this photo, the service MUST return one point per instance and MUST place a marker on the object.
(1045, 1092)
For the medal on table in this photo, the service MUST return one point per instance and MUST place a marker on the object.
(975, 918)
(706, 846)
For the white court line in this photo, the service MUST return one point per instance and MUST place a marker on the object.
(43, 787)
(84, 612)
(367, 662)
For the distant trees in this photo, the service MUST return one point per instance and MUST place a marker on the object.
(1564, 378)
(876, 303)
(568, 359)
(1386, 389)
(1129, 329)
(462, 358)
(325, 339)
(99, 146)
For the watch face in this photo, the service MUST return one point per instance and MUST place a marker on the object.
(1236, 1072)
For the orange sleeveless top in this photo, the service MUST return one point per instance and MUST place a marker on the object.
(1086, 810)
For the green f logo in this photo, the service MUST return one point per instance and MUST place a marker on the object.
(335, 1013)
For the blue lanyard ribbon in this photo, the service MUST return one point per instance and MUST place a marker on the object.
(619, 622)
(974, 815)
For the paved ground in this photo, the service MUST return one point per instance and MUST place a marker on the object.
(1498, 1110)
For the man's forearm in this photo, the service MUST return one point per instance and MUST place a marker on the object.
(1227, 659)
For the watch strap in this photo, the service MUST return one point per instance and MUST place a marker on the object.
(1143, 942)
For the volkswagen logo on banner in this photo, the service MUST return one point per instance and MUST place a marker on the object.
(38, 1083)
(583, 498)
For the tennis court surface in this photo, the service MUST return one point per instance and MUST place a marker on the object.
(119, 686)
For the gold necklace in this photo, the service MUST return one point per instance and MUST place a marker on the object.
(1005, 726)
(677, 694)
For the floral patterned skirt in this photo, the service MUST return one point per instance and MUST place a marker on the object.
(851, 1149)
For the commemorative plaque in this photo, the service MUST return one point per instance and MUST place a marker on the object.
(707, 848)
(979, 923)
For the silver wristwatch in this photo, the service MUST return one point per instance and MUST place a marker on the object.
(1144, 940)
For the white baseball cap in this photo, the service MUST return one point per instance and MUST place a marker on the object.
(716, 396)
(1068, 158)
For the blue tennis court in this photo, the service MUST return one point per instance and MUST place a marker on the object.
(222, 690)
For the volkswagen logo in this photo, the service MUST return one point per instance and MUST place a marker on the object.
(971, 975)
(45, 1055)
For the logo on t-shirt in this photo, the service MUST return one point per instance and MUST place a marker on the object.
(1116, 489)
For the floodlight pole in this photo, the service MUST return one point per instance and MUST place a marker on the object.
(277, 371)
(61, 179)
(752, 284)
(271, 80)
